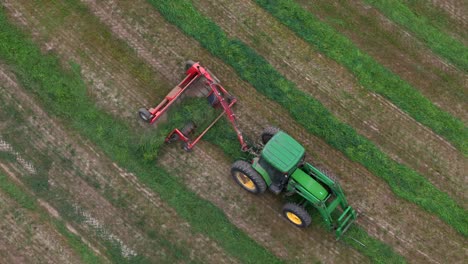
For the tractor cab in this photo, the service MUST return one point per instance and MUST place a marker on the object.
(278, 160)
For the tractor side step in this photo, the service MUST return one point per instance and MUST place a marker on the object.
(275, 188)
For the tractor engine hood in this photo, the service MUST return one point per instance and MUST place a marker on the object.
(310, 184)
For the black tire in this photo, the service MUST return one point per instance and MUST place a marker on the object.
(268, 133)
(186, 148)
(230, 98)
(212, 99)
(297, 215)
(174, 137)
(145, 115)
(189, 64)
(243, 173)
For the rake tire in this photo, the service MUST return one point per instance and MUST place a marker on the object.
(145, 115)
(189, 64)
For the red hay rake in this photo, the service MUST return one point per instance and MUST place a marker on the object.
(218, 97)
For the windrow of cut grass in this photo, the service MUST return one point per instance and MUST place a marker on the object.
(440, 42)
(438, 17)
(311, 114)
(65, 203)
(221, 135)
(28, 202)
(370, 74)
(63, 94)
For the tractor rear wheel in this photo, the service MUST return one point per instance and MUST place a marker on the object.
(247, 177)
(297, 215)
(189, 64)
(268, 133)
(145, 115)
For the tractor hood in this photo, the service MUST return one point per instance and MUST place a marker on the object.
(283, 152)
(309, 184)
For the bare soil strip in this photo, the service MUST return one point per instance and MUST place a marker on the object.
(66, 32)
(25, 237)
(415, 238)
(444, 19)
(92, 180)
(457, 9)
(399, 135)
(16, 171)
(395, 48)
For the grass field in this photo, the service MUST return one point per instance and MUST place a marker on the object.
(80, 168)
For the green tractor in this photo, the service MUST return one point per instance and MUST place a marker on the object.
(279, 165)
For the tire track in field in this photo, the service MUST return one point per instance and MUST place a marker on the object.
(414, 225)
(17, 171)
(102, 218)
(25, 237)
(61, 179)
(399, 135)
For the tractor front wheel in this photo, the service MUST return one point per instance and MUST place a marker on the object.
(297, 215)
(145, 115)
(268, 133)
(247, 177)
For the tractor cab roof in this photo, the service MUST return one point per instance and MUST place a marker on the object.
(283, 152)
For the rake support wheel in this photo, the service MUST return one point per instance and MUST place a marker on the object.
(145, 115)
(189, 64)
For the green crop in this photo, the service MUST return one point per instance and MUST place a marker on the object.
(64, 94)
(311, 114)
(370, 74)
(61, 200)
(16, 193)
(196, 110)
(441, 43)
(376, 250)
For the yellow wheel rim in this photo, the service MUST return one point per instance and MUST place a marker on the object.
(293, 218)
(245, 181)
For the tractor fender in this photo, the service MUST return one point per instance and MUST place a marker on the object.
(261, 171)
